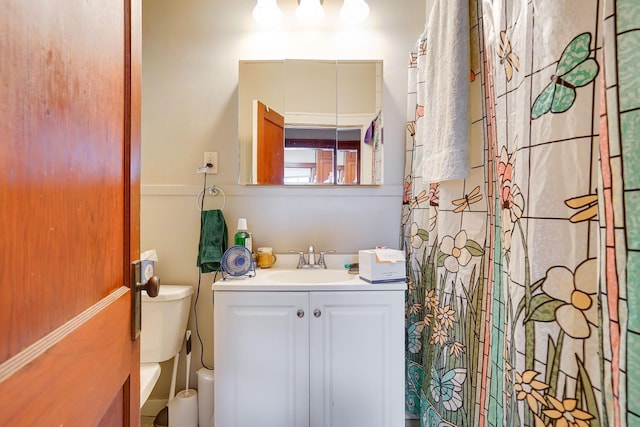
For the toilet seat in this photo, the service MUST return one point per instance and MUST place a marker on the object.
(149, 374)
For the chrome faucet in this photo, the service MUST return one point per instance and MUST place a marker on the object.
(301, 261)
(321, 261)
(312, 256)
(310, 261)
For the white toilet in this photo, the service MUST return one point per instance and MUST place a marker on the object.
(164, 323)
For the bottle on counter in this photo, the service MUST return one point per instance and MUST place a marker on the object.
(242, 236)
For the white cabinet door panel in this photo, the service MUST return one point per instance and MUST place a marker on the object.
(261, 363)
(356, 359)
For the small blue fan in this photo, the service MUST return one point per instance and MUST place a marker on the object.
(237, 261)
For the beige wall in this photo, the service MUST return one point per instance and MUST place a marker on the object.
(191, 50)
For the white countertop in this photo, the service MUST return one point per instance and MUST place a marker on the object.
(318, 280)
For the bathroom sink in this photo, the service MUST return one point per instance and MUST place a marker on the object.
(303, 276)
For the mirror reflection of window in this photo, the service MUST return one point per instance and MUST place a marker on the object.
(299, 166)
(312, 156)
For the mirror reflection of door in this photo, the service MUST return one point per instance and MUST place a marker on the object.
(269, 130)
(350, 167)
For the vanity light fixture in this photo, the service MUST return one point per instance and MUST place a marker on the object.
(310, 11)
(354, 11)
(267, 12)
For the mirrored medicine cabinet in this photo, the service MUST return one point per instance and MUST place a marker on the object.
(310, 122)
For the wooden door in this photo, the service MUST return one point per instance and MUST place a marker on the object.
(356, 366)
(69, 214)
(261, 355)
(270, 145)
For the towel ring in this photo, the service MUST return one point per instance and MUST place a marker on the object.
(212, 191)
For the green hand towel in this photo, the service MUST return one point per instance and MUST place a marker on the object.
(213, 240)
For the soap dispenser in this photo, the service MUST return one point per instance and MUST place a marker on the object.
(242, 236)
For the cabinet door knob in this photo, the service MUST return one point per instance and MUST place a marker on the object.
(317, 312)
(300, 313)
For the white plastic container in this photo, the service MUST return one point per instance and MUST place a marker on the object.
(206, 388)
(183, 409)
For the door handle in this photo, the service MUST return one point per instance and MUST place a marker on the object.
(152, 286)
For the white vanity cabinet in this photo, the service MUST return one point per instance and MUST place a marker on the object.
(309, 358)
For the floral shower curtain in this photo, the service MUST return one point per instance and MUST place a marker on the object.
(523, 306)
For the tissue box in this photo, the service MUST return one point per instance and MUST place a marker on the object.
(382, 265)
(147, 268)
(148, 261)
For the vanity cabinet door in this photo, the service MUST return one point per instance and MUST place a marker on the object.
(357, 359)
(261, 358)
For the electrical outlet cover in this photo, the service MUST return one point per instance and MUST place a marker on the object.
(211, 157)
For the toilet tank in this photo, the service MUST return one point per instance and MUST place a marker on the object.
(164, 322)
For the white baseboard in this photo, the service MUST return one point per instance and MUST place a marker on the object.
(152, 406)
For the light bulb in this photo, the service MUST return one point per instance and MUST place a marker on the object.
(310, 11)
(354, 11)
(267, 12)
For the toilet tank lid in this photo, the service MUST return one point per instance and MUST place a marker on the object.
(169, 293)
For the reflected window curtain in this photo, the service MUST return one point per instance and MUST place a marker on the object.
(524, 295)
